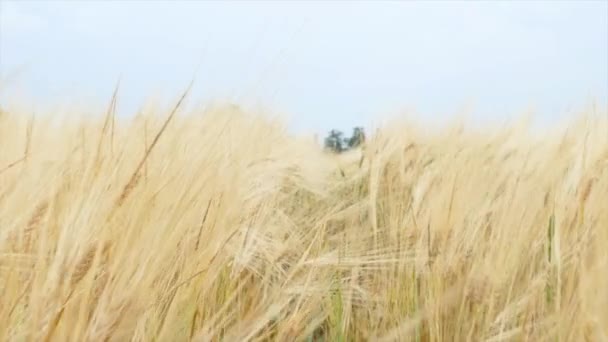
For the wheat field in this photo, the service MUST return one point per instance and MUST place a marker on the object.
(219, 225)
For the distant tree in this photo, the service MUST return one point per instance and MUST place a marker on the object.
(357, 138)
(337, 143)
(334, 141)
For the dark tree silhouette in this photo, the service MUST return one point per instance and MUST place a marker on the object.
(337, 143)
(357, 138)
(334, 141)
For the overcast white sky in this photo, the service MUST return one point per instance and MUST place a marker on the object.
(328, 64)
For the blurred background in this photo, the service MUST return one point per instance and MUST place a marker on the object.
(325, 64)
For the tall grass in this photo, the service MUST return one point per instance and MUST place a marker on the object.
(221, 226)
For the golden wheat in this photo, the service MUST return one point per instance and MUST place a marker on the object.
(228, 228)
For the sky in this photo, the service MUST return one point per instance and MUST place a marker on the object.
(325, 64)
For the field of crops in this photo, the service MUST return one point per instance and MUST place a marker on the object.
(221, 226)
